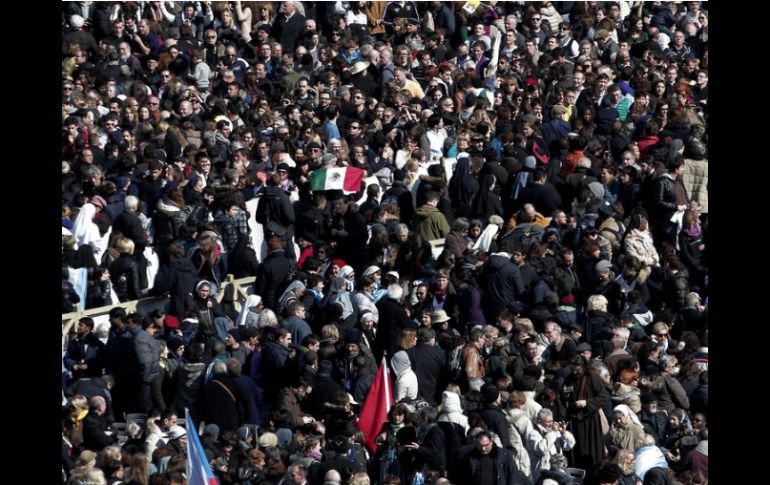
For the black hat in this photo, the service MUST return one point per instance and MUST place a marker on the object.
(235, 334)
(312, 145)
(490, 393)
(325, 367)
(353, 337)
(648, 397)
(584, 347)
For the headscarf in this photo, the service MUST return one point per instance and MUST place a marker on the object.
(288, 294)
(400, 363)
(463, 184)
(338, 294)
(626, 411)
(85, 229)
(453, 410)
(485, 239)
(522, 178)
(251, 302)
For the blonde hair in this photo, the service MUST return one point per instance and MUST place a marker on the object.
(330, 332)
(526, 324)
(597, 302)
(491, 332)
(78, 402)
(124, 245)
(267, 318)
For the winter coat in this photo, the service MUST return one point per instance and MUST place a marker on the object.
(430, 223)
(179, 280)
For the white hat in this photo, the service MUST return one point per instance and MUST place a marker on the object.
(77, 21)
(371, 270)
(176, 432)
(359, 67)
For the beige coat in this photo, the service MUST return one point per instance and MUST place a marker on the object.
(695, 179)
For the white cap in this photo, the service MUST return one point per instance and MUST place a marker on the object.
(77, 21)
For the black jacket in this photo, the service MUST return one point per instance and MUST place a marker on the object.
(273, 270)
(506, 471)
(504, 284)
(179, 280)
(429, 364)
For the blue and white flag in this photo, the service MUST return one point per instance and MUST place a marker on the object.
(198, 468)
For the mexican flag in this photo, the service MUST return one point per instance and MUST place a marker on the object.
(346, 179)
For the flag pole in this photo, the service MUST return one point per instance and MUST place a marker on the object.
(387, 393)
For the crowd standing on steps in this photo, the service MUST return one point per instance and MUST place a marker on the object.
(558, 150)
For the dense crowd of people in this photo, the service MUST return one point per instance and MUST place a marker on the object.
(527, 249)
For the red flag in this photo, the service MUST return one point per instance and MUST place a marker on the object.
(376, 407)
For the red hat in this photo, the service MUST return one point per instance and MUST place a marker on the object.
(338, 262)
(568, 299)
(171, 321)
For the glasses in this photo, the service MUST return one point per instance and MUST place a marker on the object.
(67, 88)
(662, 335)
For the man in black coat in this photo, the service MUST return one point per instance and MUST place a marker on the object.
(275, 207)
(349, 231)
(504, 284)
(288, 26)
(493, 416)
(178, 279)
(429, 364)
(274, 269)
(540, 194)
(129, 224)
(86, 354)
(324, 390)
(486, 464)
(393, 319)
(95, 427)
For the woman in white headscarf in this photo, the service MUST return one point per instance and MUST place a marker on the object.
(626, 431)
(86, 231)
(484, 241)
(452, 410)
(406, 379)
(250, 311)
